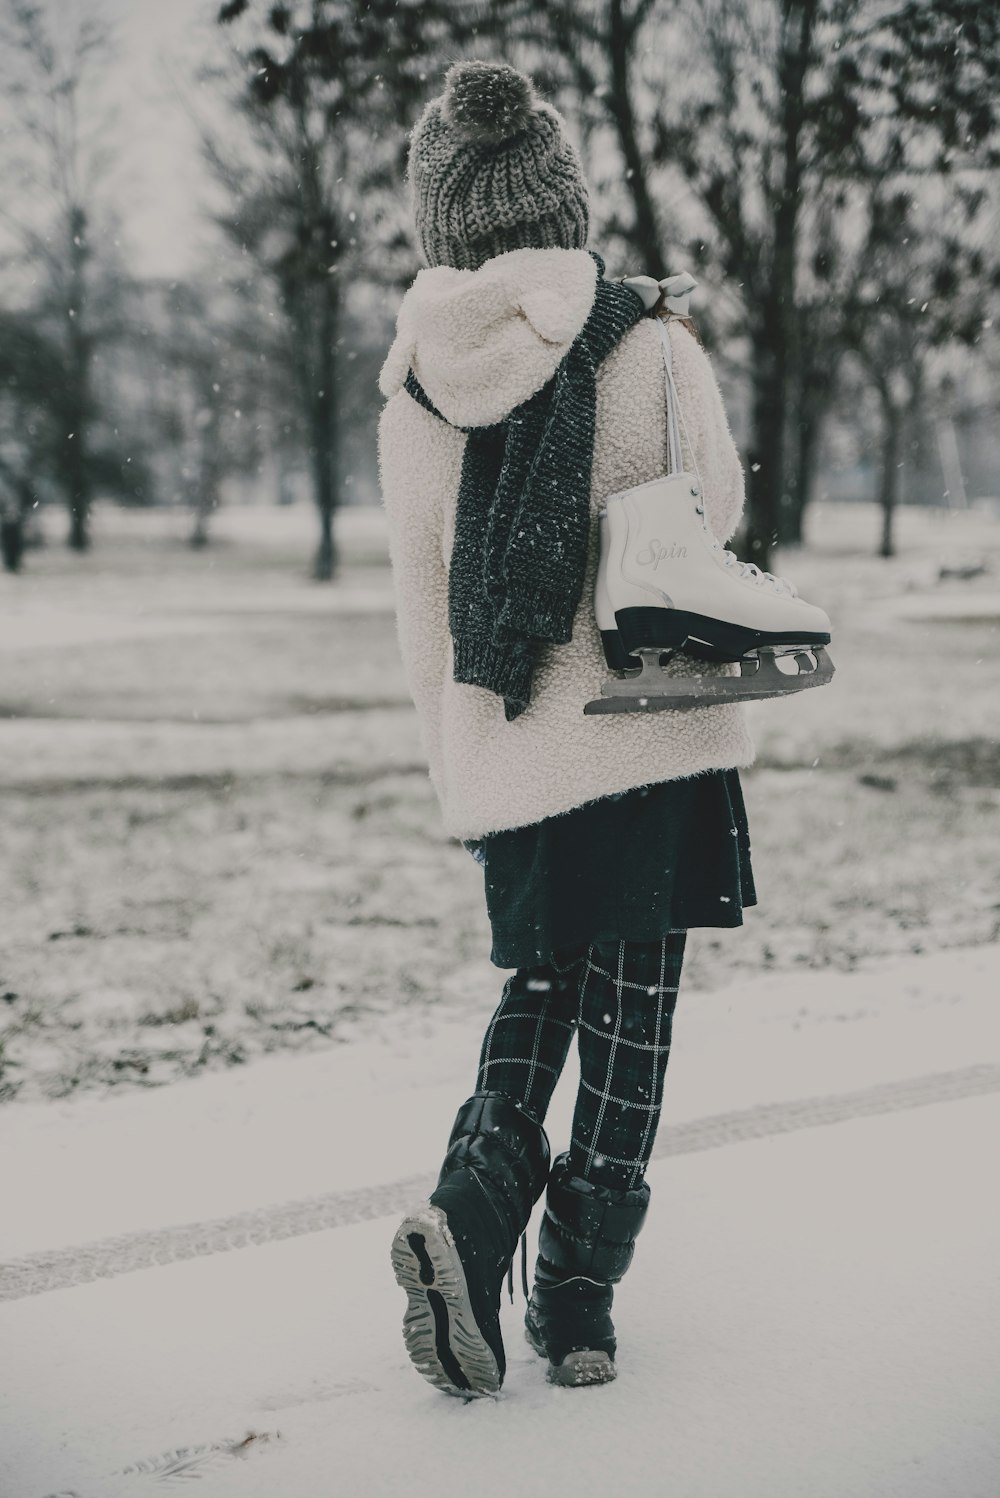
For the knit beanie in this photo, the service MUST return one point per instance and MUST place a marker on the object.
(491, 169)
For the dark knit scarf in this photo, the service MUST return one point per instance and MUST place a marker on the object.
(522, 519)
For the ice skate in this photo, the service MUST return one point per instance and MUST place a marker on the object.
(666, 586)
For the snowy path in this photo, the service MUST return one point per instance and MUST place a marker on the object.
(61, 1269)
(812, 1311)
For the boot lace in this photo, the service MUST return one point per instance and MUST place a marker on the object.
(524, 1248)
(524, 1270)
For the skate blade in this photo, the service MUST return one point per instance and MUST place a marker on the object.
(651, 690)
(578, 1369)
(441, 1334)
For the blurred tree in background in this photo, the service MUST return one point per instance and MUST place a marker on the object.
(30, 367)
(110, 386)
(321, 91)
(760, 123)
(61, 265)
(919, 284)
(198, 381)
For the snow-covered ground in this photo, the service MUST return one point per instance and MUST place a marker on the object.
(219, 839)
(196, 1280)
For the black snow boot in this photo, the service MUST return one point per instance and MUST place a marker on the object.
(585, 1245)
(452, 1255)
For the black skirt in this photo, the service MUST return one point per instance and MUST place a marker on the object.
(628, 867)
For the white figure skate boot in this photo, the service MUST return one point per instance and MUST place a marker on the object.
(665, 584)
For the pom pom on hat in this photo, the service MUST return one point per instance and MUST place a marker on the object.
(486, 103)
(491, 169)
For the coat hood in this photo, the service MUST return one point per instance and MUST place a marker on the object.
(483, 341)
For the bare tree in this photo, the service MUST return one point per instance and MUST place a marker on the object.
(921, 284)
(295, 182)
(229, 375)
(29, 367)
(751, 111)
(55, 152)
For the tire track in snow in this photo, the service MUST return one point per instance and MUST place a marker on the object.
(60, 1269)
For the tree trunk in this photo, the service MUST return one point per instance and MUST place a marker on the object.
(209, 475)
(645, 236)
(199, 531)
(79, 529)
(775, 337)
(892, 431)
(77, 466)
(766, 458)
(12, 541)
(323, 414)
(803, 469)
(14, 521)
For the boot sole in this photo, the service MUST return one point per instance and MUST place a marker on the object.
(577, 1369)
(441, 1333)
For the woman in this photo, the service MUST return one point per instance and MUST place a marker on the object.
(523, 388)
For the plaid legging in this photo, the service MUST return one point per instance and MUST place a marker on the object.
(620, 998)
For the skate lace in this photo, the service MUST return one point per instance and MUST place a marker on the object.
(749, 569)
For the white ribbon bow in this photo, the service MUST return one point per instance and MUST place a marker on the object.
(677, 290)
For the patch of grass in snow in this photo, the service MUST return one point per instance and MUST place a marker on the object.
(263, 921)
(188, 1009)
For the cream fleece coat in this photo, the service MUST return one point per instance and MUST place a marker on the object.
(481, 342)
